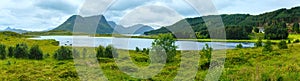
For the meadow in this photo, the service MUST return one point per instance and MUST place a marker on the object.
(240, 64)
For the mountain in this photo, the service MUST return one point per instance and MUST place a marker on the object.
(112, 24)
(135, 29)
(86, 24)
(15, 30)
(237, 20)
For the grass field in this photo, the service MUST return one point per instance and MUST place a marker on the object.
(240, 64)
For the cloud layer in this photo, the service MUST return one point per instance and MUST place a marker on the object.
(45, 14)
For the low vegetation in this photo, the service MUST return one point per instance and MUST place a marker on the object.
(268, 61)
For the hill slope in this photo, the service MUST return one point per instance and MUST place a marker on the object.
(135, 29)
(86, 24)
(282, 15)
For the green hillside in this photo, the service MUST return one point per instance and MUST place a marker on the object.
(246, 21)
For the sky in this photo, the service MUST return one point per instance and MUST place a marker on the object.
(38, 15)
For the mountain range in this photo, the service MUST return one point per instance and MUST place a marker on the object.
(288, 16)
(15, 30)
(88, 24)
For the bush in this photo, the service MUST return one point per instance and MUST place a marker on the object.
(2, 51)
(276, 31)
(35, 53)
(282, 45)
(100, 51)
(239, 46)
(297, 41)
(109, 51)
(106, 52)
(47, 55)
(146, 50)
(10, 52)
(137, 49)
(63, 53)
(256, 30)
(206, 51)
(167, 42)
(268, 47)
(21, 51)
(259, 43)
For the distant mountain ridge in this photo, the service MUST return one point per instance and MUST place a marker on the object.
(87, 24)
(135, 29)
(20, 31)
(198, 24)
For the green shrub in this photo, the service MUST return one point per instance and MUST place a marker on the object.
(297, 41)
(256, 30)
(239, 46)
(2, 51)
(137, 49)
(109, 51)
(21, 51)
(146, 50)
(47, 55)
(259, 43)
(268, 47)
(10, 52)
(35, 53)
(282, 45)
(69, 74)
(63, 53)
(206, 51)
(106, 52)
(55, 43)
(167, 42)
(100, 51)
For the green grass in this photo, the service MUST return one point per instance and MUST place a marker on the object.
(241, 64)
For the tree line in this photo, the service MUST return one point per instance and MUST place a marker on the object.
(22, 51)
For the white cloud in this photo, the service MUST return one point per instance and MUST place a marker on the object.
(45, 14)
(34, 14)
(151, 15)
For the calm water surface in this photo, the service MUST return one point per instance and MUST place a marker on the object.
(132, 43)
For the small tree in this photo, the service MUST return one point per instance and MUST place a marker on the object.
(109, 51)
(21, 51)
(63, 53)
(2, 51)
(268, 47)
(256, 30)
(239, 46)
(137, 49)
(35, 53)
(207, 51)
(100, 51)
(296, 41)
(289, 41)
(167, 42)
(296, 28)
(10, 52)
(259, 43)
(282, 45)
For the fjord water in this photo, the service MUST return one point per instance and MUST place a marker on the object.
(132, 43)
